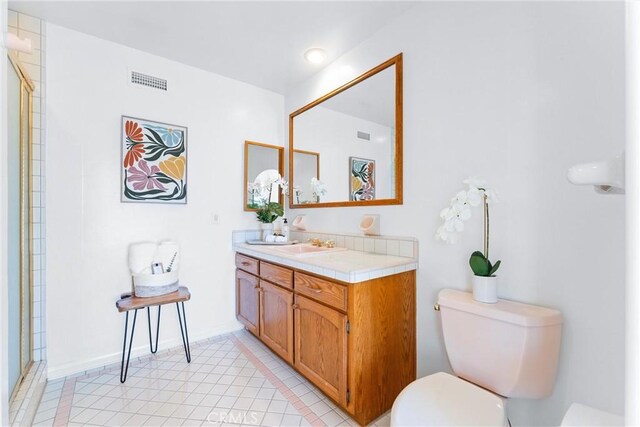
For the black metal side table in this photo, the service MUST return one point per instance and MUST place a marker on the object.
(128, 302)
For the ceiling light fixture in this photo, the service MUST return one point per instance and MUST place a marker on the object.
(315, 55)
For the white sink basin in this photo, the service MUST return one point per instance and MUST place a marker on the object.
(305, 250)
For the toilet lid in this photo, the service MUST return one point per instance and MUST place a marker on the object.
(444, 400)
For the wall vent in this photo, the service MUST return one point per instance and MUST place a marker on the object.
(364, 135)
(149, 81)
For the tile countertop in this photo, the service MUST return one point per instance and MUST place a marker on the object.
(345, 265)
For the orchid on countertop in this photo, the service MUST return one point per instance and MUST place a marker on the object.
(459, 211)
(262, 195)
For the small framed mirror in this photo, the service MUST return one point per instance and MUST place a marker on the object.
(307, 165)
(357, 129)
(261, 163)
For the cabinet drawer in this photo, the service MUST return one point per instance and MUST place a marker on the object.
(322, 290)
(275, 274)
(247, 264)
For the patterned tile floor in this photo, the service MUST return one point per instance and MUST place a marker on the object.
(231, 380)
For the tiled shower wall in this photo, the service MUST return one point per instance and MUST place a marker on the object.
(32, 28)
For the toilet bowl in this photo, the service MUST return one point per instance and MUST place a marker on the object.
(496, 351)
(442, 399)
(445, 400)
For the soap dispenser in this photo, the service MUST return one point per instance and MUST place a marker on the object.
(285, 229)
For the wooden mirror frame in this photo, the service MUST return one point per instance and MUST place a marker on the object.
(397, 61)
(246, 170)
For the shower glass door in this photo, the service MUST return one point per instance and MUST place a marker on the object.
(19, 98)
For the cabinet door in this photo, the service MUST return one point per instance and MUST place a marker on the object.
(276, 319)
(321, 347)
(247, 301)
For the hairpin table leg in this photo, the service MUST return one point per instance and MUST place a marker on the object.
(124, 370)
(157, 330)
(184, 332)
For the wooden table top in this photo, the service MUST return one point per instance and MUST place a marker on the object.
(132, 302)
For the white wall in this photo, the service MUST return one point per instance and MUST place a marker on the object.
(88, 229)
(515, 93)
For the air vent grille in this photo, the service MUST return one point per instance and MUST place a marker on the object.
(364, 135)
(149, 81)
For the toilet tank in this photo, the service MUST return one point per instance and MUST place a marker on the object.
(508, 347)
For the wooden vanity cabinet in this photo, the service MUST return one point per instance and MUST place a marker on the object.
(356, 342)
(247, 300)
(321, 347)
(276, 319)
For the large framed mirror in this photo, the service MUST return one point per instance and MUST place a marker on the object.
(357, 130)
(262, 162)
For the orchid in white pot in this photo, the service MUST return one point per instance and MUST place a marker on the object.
(266, 186)
(319, 188)
(454, 216)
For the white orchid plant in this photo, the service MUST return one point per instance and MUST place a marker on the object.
(319, 188)
(459, 211)
(261, 192)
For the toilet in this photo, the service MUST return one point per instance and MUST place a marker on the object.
(497, 351)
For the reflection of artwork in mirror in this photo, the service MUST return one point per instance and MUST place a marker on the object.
(363, 183)
(360, 125)
(262, 162)
(307, 167)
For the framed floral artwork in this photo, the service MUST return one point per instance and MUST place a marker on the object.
(154, 162)
(363, 184)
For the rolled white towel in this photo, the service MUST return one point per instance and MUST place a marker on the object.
(281, 239)
(168, 253)
(270, 238)
(141, 257)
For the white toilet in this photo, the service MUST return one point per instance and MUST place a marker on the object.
(501, 350)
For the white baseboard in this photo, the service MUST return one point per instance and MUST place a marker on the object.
(78, 367)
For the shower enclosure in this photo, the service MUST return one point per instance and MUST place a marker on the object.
(19, 112)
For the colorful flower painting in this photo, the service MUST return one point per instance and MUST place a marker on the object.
(154, 162)
(362, 179)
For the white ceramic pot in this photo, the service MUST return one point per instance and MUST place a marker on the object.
(267, 230)
(485, 289)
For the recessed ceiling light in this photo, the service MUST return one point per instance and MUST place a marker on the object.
(315, 55)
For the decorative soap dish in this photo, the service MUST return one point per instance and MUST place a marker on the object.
(263, 243)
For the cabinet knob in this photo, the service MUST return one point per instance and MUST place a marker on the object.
(245, 263)
(295, 306)
(436, 307)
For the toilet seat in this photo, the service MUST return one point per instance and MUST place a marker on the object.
(442, 399)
